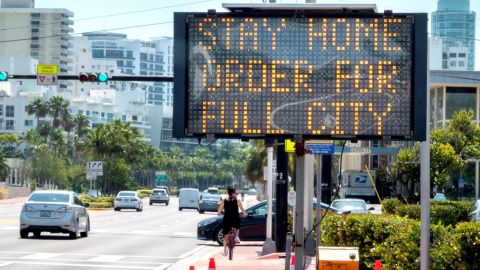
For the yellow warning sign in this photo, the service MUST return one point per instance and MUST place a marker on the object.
(47, 69)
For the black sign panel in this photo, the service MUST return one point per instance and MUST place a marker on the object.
(279, 76)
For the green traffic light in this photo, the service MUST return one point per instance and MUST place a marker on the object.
(3, 76)
(102, 77)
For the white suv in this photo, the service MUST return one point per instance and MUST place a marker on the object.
(159, 195)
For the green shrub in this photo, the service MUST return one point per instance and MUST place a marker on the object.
(173, 192)
(101, 205)
(467, 236)
(390, 205)
(144, 192)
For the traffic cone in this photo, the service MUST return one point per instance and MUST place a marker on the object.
(211, 264)
(191, 268)
(292, 264)
(378, 265)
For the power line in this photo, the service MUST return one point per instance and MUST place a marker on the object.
(111, 15)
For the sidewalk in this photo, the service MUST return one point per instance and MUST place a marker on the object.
(13, 200)
(247, 255)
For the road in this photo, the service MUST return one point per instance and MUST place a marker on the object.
(153, 239)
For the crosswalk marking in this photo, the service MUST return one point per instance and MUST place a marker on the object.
(106, 258)
(41, 256)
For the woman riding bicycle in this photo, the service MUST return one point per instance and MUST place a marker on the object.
(231, 219)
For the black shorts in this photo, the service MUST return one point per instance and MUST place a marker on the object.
(227, 226)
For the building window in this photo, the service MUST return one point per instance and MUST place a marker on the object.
(88, 112)
(134, 118)
(94, 113)
(9, 125)
(452, 55)
(453, 63)
(124, 118)
(109, 115)
(29, 123)
(461, 63)
(80, 111)
(9, 111)
(460, 98)
(463, 55)
(374, 164)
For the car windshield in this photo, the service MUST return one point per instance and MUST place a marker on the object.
(49, 197)
(211, 197)
(349, 205)
(126, 194)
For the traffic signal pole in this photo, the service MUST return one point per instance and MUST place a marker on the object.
(137, 78)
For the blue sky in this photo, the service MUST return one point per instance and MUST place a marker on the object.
(144, 19)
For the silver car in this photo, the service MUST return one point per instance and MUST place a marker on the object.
(128, 200)
(55, 212)
(474, 212)
(356, 206)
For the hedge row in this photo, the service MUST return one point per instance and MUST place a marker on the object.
(396, 241)
(441, 212)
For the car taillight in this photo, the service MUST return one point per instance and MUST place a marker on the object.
(134, 200)
(64, 210)
(28, 209)
(118, 200)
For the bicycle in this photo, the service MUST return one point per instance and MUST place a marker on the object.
(231, 243)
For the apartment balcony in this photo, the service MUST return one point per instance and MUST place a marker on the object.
(37, 49)
(63, 19)
(62, 43)
(139, 124)
(38, 18)
(38, 34)
(65, 67)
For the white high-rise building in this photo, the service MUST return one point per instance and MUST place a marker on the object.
(40, 33)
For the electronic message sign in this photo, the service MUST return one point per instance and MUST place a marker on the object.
(320, 76)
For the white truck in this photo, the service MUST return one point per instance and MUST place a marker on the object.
(357, 184)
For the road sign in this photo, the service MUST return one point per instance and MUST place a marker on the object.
(94, 168)
(361, 150)
(161, 178)
(289, 146)
(47, 69)
(47, 79)
(292, 197)
(160, 173)
(321, 147)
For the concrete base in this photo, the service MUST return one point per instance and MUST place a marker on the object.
(268, 247)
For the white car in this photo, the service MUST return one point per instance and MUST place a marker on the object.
(54, 211)
(128, 200)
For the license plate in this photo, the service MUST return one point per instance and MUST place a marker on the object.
(125, 200)
(45, 213)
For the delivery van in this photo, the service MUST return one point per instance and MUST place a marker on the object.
(188, 199)
(357, 184)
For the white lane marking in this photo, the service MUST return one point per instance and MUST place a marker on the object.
(5, 263)
(84, 254)
(193, 251)
(106, 258)
(85, 265)
(41, 256)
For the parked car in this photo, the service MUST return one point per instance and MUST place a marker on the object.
(54, 211)
(128, 200)
(164, 187)
(209, 202)
(440, 197)
(356, 206)
(252, 191)
(474, 212)
(159, 195)
(212, 190)
(253, 227)
(94, 193)
(188, 198)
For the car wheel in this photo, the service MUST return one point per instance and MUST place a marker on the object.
(180, 209)
(150, 203)
(201, 212)
(116, 209)
(36, 234)
(166, 204)
(139, 209)
(75, 234)
(23, 234)
(219, 235)
(85, 233)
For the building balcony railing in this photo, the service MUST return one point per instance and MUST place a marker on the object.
(37, 18)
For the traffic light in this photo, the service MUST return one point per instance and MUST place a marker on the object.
(3, 76)
(93, 77)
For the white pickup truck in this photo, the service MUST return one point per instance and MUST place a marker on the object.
(159, 195)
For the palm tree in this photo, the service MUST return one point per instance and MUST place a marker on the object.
(68, 123)
(39, 107)
(30, 137)
(81, 123)
(4, 168)
(59, 108)
(45, 130)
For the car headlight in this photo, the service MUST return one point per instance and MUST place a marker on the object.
(206, 222)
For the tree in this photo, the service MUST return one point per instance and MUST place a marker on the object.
(450, 147)
(39, 107)
(59, 109)
(254, 161)
(81, 123)
(43, 166)
(30, 137)
(4, 168)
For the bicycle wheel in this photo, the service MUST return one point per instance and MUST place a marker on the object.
(230, 253)
(231, 244)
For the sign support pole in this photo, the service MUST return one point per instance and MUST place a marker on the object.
(269, 244)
